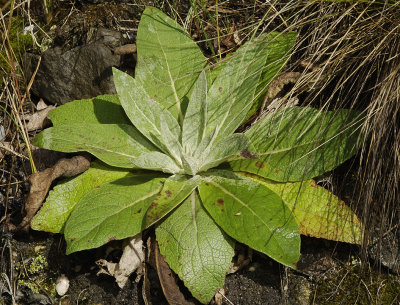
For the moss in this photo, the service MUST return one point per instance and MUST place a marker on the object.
(352, 285)
(36, 274)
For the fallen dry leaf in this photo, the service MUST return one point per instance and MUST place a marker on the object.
(276, 86)
(39, 118)
(41, 105)
(132, 260)
(169, 286)
(40, 183)
(125, 49)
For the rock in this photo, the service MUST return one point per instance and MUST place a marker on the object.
(300, 291)
(385, 249)
(82, 72)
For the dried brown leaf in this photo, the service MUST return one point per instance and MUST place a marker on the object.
(40, 183)
(132, 260)
(169, 286)
(38, 119)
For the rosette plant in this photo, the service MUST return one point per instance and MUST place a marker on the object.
(170, 158)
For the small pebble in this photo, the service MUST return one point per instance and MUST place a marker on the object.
(62, 285)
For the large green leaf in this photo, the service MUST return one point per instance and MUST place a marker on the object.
(172, 141)
(234, 90)
(194, 124)
(282, 46)
(195, 248)
(252, 214)
(104, 109)
(115, 144)
(224, 149)
(158, 162)
(318, 212)
(169, 61)
(300, 143)
(176, 188)
(63, 198)
(145, 113)
(115, 210)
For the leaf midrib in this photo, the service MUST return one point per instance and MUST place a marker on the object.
(177, 102)
(251, 210)
(96, 147)
(121, 209)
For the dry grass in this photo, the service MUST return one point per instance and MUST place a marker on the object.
(348, 53)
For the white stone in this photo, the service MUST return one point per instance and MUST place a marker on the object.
(62, 285)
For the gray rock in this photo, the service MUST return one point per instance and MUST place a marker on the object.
(82, 72)
(386, 249)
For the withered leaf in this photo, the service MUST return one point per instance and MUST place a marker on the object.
(40, 183)
(169, 286)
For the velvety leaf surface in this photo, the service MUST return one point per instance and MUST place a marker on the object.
(300, 143)
(104, 109)
(115, 144)
(318, 212)
(176, 188)
(254, 215)
(168, 60)
(115, 210)
(195, 120)
(157, 161)
(62, 199)
(234, 90)
(224, 149)
(145, 113)
(172, 141)
(282, 46)
(195, 248)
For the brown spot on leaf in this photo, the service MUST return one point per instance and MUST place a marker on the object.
(276, 171)
(222, 210)
(246, 154)
(168, 192)
(138, 211)
(220, 201)
(220, 89)
(73, 239)
(89, 240)
(259, 164)
(97, 186)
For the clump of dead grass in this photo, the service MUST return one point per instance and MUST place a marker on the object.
(348, 56)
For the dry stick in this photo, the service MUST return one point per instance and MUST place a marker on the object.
(23, 131)
(7, 4)
(28, 88)
(218, 38)
(9, 186)
(10, 56)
